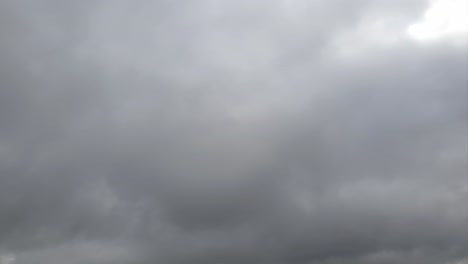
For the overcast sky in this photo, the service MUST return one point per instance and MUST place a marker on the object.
(233, 132)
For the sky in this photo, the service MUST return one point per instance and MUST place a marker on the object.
(234, 131)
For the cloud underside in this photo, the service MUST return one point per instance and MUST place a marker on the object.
(279, 132)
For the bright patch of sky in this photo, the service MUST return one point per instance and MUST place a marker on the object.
(444, 19)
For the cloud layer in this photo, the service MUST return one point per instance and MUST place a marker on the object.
(279, 132)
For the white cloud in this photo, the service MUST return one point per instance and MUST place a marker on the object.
(444, 19)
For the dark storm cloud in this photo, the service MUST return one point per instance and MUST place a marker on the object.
(229, 132)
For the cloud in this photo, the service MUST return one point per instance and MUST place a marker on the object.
(442, 20)
(230, 132)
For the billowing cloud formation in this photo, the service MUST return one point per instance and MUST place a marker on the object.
(279, 132)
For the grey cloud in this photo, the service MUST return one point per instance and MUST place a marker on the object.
(228, 132)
